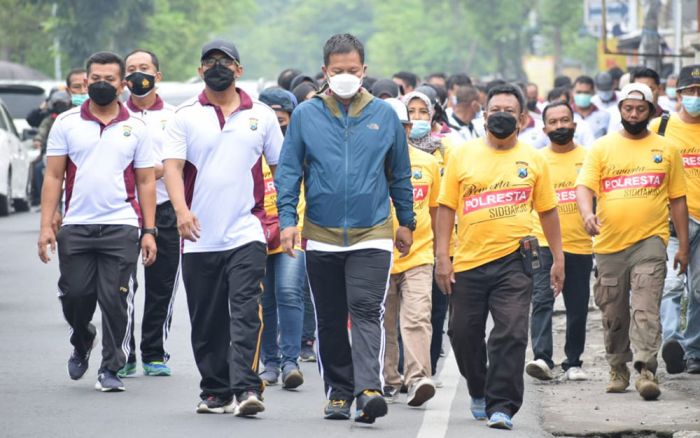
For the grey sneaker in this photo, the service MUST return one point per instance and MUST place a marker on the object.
(307, 353)
(391, 394)
(270, 376)
(78, 363)
(291, 376)
(108, 381)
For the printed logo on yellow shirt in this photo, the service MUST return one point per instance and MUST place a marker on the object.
(522, 169)
(657, 155)
(512, 199)
(270, 186)
(635, 184)
(417, 174)
(420, 192)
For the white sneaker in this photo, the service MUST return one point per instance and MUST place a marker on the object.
(576, 374)
(539, 370)
(420, 392)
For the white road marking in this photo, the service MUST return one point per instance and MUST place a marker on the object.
(437, 414)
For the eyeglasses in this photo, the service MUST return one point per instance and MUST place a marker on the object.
(225, 62)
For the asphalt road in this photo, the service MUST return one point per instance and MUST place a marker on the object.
(38, 399)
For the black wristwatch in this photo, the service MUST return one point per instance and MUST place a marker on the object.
(411, 225)
(153, 231)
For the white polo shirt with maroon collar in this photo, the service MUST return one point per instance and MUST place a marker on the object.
(224, 185)
(156, 118)
(100, 185)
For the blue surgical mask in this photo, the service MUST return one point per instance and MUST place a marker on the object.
(582, 100)
(78, 99)
(692, 105)
(420, 129)
(605, 96)
(671, 92)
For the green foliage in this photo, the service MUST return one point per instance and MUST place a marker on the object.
(481, 38)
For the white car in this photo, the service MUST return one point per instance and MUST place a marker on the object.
(14, 167)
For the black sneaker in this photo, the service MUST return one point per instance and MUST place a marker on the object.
(78, 363)
(108, 381)
(215, 405)
(307, 353)
(337, 410)
(370, 406)
(249, 403)
(673, 353)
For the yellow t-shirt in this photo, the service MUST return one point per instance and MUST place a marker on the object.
(442, 155)
(686, 138)
(425, 178)
(270, 202)
(633, 180)
(493, 193)
(563, 169)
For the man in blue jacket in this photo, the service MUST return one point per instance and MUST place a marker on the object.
(350, 150)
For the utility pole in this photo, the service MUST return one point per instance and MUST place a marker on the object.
(56, 47)
(678, 33)
(651, 41)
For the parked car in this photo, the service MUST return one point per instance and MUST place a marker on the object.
(14, 166)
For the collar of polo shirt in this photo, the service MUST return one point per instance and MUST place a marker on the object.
(157, 105)
(87, 115)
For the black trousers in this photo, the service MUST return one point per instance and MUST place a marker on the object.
(161, 285)
(576, 294)
(353, 283)
(223, 296)
(98, 266)
(503, 289)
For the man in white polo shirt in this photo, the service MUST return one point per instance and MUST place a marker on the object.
(142, 74)
(104, 155)
(217, 141)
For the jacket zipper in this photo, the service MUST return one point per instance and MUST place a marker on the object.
(345, 216)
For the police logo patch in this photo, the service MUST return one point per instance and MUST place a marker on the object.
(253, 124)
(657, 156)
(522, 169)
(126, 130)
(417, 174)
(145, 83)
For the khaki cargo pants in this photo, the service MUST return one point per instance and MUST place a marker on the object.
(409, 304)
(628, 291)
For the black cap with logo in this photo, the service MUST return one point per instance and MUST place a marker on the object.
(227, 48)
(689, 77)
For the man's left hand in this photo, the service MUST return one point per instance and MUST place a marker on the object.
(404, 240)
(148, 249)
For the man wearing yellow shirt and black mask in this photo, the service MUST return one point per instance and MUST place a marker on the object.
(634, 174)
(684, 129)
(409, 298)
(492, 184)
(564, 159)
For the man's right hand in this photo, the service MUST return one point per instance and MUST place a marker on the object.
(444, 274)
(592, 224)
(188, 225)
(47, 238)
(290, 238)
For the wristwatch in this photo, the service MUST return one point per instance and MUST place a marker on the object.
(411, 225)
(153, 231)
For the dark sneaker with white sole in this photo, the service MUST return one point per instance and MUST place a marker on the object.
(215, 405)
(420, 392)
(77, 362)
(291, 376)
(247, 404)
(370, 406)
(108, 381)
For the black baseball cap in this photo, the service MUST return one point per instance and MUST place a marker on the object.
(226, 47)
(689, 76)
(278, 99)
(385, 87)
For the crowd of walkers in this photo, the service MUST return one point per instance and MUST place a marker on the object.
(343, 219)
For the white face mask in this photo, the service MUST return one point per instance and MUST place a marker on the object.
(344, 85)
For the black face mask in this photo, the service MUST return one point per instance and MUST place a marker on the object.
(501, 124)
(141, 83)
(102, 93)
(218, 78)
(561, 136)
(635, 128)
(284, 130)
(532, 105)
